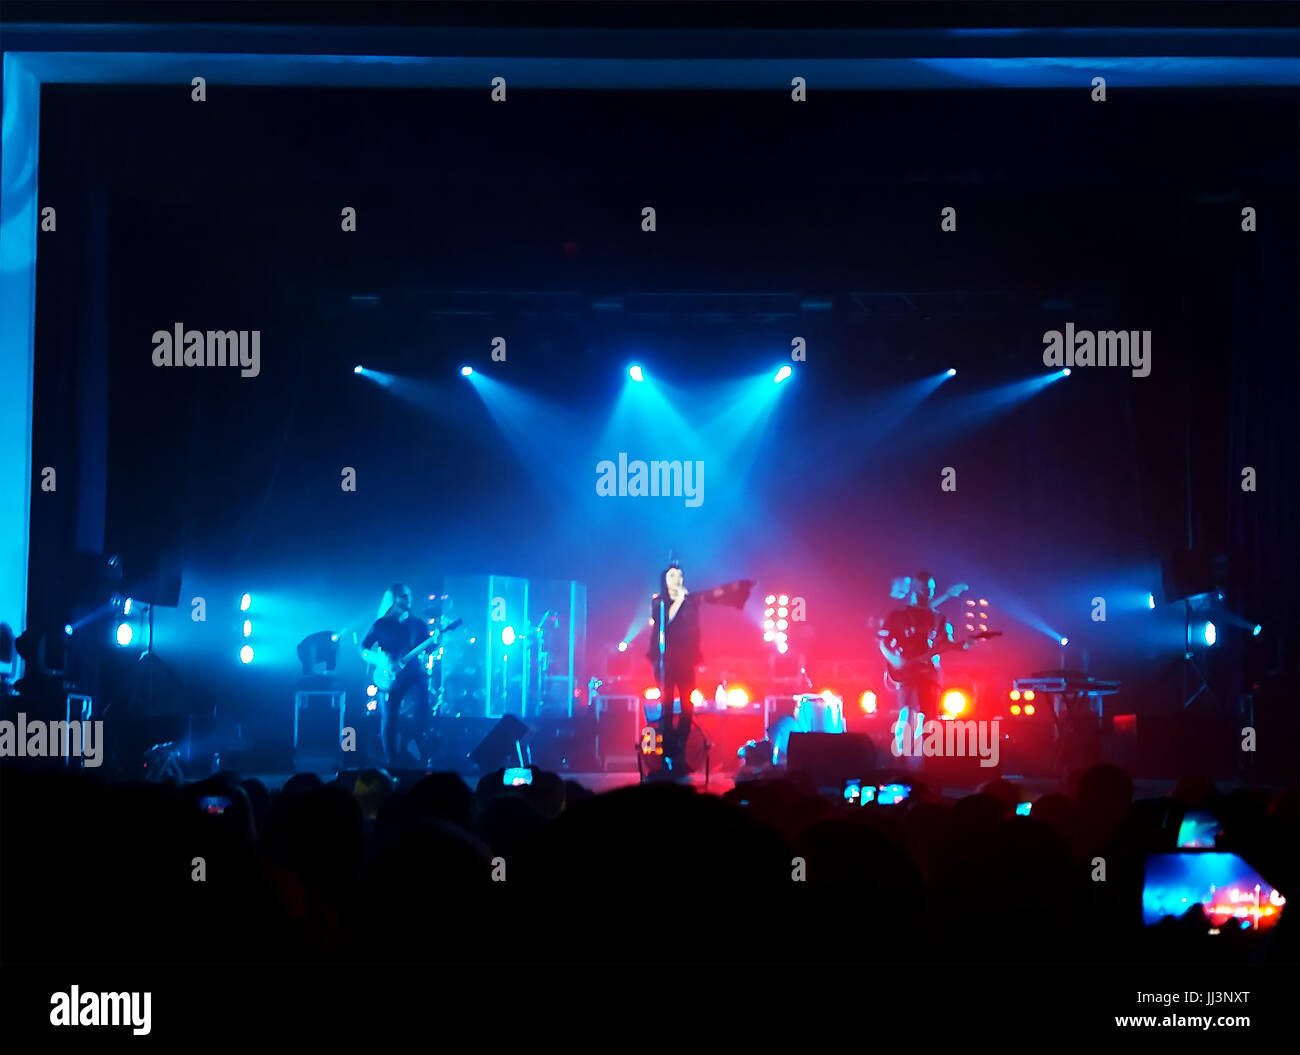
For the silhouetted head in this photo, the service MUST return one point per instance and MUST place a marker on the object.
(371, 789)
(922, 588)
(402, 596)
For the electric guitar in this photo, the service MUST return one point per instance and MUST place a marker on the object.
(902, 671)
(387, 669)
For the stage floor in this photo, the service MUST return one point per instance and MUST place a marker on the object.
(718, 784)
(598, 782)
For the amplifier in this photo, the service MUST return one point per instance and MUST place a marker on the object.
(318, 730)
(618, 731)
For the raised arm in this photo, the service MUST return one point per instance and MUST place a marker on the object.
(948, 594)
(732, 593)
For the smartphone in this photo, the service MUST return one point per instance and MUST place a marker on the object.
(1229, 890)
(517, 775)
(214, 803)
(1198, 830)
(1023, 808)
(892, 794)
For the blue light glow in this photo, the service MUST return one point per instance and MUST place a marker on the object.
(357, 369)
(782, 374)
(67, 629)
(248, 628)
(124, 634)
(465, 371)
(1210, 633)
(246, 654)
(126, 606)
(245, 603)
(952, 373)
(1151, 600)
(636, 374)
(1257, 631)
(508, 635)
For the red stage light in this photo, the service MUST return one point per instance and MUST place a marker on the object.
(955, 702)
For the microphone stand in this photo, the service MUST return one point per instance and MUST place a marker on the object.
(665, 705)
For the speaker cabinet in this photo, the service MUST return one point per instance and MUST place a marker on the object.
(831, 758)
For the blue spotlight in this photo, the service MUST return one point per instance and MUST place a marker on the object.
(124, 634)
(622, 646)
(246, 654)
(465, 371)
(1210, 633)
(1065, 372)
(1257, 631)
(357, 369)
(636, 374)
(245, 603)
(508, 636)
(1151, 600)
(952, 373)
(248, 628)
(1065, 641)
(782, 374)
(126, 606)
(67, 629)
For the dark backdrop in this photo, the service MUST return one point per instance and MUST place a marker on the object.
(477, 220)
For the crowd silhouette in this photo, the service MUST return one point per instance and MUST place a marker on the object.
(371, 868)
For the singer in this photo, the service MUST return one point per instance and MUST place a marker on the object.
(674, 651)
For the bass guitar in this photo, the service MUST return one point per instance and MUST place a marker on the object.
(387, 668)
(902, 671)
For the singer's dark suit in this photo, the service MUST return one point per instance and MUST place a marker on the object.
(681, 655)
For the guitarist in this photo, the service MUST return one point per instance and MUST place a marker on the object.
(395, 633)
(909, 637)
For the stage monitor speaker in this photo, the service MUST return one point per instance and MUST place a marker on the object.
(831, 758)
(498, 747)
